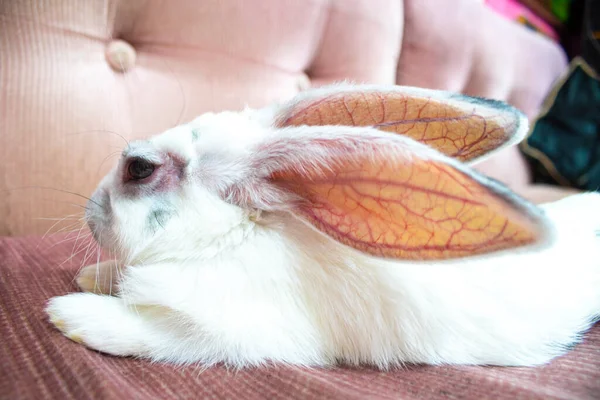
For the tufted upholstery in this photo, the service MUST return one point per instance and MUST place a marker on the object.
(66, 84)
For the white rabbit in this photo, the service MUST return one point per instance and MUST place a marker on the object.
(342, 227)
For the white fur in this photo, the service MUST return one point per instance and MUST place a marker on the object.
(219, 282)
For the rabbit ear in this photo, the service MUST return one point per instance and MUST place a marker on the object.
(386, 195)
(462, 127)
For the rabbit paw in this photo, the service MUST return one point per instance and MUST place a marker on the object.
(100, 278)
(102, 323)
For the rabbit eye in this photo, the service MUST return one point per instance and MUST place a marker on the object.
(140, 169)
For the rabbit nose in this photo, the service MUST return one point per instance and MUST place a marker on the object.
(100, 199)
(98, 210)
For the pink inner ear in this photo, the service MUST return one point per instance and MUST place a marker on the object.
(457, 131)
(417, 209)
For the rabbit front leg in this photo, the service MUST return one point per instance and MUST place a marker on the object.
(183, 315)
(137, 325)
(107, 324)
(136, 284)
(100, 278)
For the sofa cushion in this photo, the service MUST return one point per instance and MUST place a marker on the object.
(37, 362)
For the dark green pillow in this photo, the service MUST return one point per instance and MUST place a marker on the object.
(563, 147)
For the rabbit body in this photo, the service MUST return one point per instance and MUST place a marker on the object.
(208, 274)
(290, 295)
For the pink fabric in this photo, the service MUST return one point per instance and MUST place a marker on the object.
(62, 106)
(37, 362)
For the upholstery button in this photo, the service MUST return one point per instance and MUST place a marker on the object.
(120, 55)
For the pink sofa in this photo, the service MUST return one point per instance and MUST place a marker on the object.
(77, 77)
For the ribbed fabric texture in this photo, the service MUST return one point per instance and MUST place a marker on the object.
(37, 362)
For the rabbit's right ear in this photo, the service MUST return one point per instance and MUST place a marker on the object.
(459, 126)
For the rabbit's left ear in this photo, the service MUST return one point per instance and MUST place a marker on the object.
(385, 195)
(462, 127)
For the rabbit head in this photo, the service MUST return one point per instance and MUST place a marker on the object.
(384, 170)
